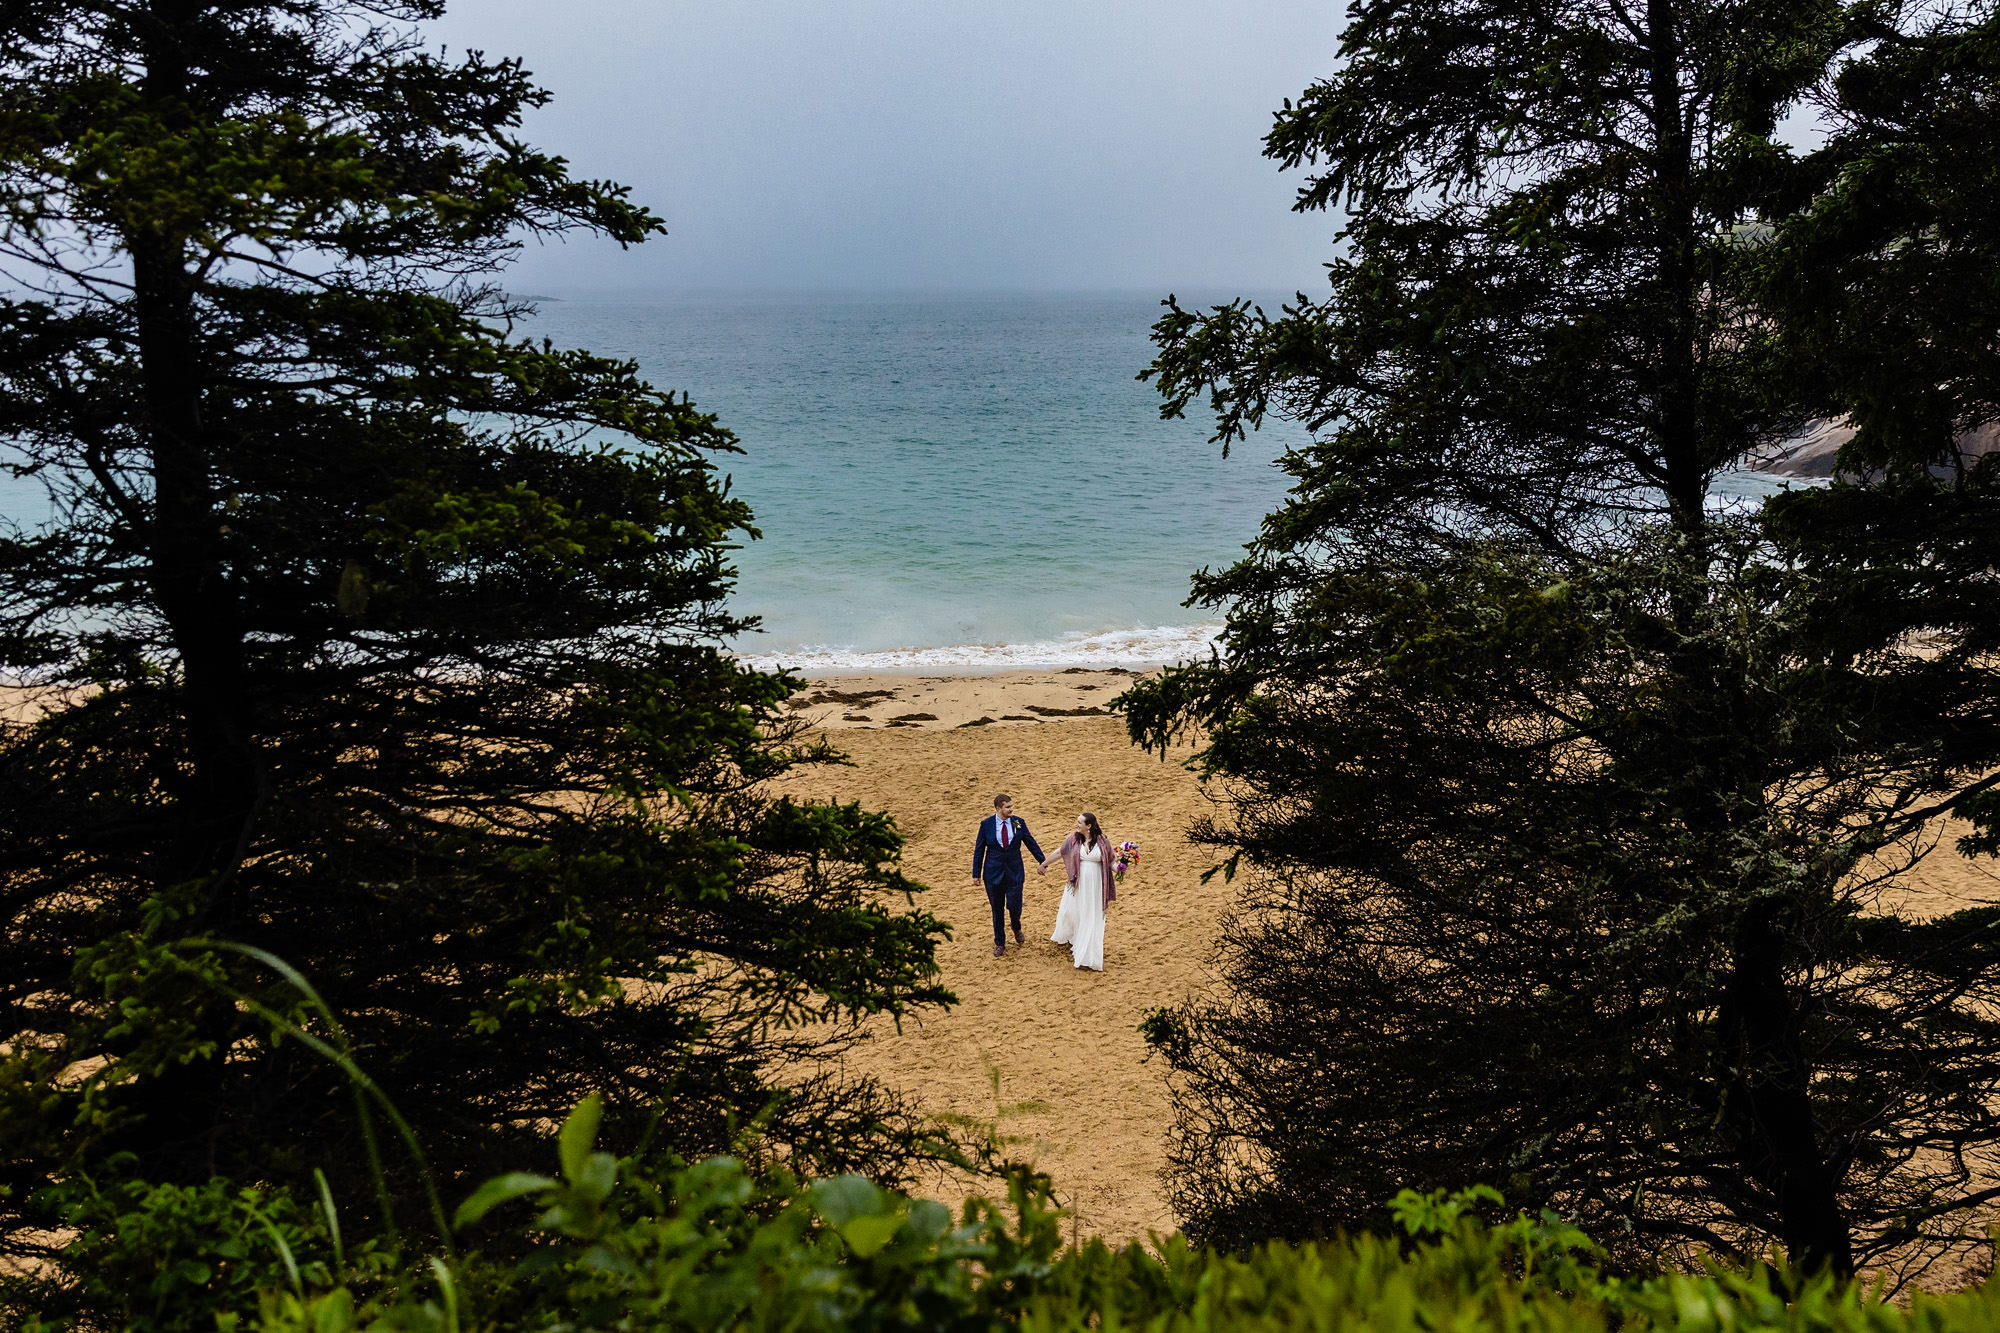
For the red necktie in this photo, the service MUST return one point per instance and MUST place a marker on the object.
(1003, 832)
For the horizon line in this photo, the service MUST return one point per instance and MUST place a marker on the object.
(625, 293)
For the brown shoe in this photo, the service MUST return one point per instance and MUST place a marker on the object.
(1018, 939)
(999, 951)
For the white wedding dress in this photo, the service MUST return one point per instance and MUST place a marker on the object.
(1080, 919)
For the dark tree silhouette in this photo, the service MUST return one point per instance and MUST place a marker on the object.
(368, 634)
(1567, 798)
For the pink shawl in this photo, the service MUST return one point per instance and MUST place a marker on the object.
(1072, 858)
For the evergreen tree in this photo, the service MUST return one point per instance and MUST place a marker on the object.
(370, 635)
(1885, 277)
(1566, 806)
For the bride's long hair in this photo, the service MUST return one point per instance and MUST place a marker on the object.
(1090, 826)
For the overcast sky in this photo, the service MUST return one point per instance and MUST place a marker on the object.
(925, 144)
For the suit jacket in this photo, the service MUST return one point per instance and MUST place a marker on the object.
(999, 865)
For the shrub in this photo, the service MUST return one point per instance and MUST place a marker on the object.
(713, 1246)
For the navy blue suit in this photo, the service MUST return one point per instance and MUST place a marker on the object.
(1000, 869)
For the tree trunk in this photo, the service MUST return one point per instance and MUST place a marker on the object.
(190, 582)
(222, 789)
(1770, 1104)
(1767, 1089)
(219, 791)
(1676, 395)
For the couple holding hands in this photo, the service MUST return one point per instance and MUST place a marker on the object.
(1088, 859)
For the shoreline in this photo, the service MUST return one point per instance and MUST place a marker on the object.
(954, 701)
(1134, 648)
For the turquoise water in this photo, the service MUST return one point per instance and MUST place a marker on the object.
(950, 481)
(960, 482)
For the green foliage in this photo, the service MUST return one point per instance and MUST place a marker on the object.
(1885, 274)
(167, 1257)
(1563, 799)
(1885, 284)
(714, 1247)
(381, 639)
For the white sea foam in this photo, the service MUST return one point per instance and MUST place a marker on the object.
(1143, 647)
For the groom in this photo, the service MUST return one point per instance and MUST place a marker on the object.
(996, 862)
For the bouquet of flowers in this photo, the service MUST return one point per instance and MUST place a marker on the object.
(1128, 856)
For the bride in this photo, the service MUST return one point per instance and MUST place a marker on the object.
(1088, 860)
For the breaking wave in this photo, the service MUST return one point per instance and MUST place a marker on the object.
(1140, 647)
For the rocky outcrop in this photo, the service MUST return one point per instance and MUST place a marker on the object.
(1813, 451)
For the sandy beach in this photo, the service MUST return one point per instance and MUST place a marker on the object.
(1076, 1090)
(1075, 1084)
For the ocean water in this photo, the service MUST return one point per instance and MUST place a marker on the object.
(950, 482)
(956, 483)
